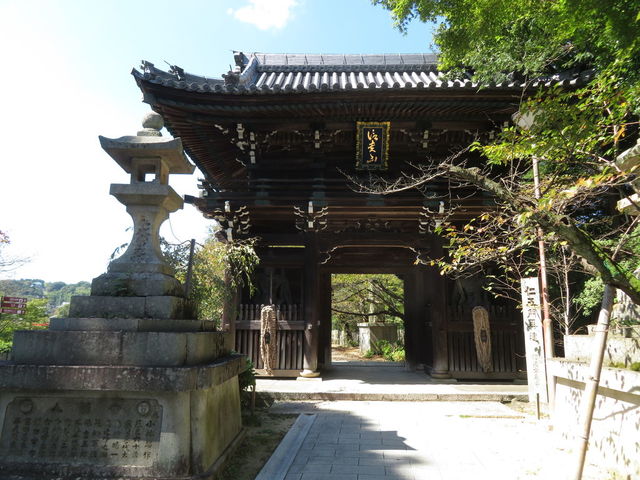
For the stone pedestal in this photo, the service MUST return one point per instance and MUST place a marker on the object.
(117, 421)
(129, 387)
(371, 333)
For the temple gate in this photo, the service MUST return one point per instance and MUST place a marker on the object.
(278, 139)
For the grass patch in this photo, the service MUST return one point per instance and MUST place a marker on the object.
(635, 366)
(264, 431)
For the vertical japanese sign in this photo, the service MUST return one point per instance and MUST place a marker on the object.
(372, 145)
(533, 342)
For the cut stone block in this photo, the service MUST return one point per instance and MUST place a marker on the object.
(166, 307)
(116, 348)
(117, 422)
(136, 285)
(132, 324)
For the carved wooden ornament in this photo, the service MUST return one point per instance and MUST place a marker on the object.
(482, 337)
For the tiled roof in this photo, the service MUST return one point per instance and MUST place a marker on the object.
(260, 73)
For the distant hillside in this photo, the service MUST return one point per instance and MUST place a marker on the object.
(56, 293)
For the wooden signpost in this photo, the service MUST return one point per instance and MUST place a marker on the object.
(533, 340)
(13, 305)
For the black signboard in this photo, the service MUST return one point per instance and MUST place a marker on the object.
(372, 145)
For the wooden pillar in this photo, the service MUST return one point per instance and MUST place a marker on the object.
(426, 326)
(324, 350)
(411, 319)
(311, 307)
(439, 316)
(415, 317)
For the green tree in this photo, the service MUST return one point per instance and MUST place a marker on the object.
(218, 270)
(34, 318)
(59, 293)
(360, 298)
(8, 263)
(576, 133)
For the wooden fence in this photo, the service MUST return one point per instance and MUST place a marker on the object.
(289, 338)
(507, 344)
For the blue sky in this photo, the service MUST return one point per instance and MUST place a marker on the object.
(66, 79)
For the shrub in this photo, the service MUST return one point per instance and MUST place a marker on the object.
(393, 352)
(247, 378)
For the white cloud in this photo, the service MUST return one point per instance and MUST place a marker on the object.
(265, 14)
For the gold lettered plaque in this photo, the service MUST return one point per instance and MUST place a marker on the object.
(372, 145)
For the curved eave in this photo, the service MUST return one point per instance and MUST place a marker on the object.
(190, 108)
(309, 82)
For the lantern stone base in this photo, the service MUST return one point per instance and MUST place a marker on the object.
(136, 285)
(119, 398)
(165, 306)
(160, 349)
(124, 422)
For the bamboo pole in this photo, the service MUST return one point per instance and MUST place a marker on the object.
(547, 327)
(593, 380)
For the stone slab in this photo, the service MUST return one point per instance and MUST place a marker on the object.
(87, 435)
(165, 307)
(132, 324)
(625, 382)
(629, 204)
(619, 349)
(159, 349)
(120, 378)
(615, 437)
(386, 383)
(57, 428)
(394, 397)
(629, 158)
(100, 431)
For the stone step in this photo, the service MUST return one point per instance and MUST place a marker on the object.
(395, 397)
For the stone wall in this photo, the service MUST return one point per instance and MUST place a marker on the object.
(615, 432)
(372, 333)
(625, 350)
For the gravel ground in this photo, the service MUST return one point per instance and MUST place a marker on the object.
(352, 354)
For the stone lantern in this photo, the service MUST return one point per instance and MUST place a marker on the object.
(128, 386)
(141, 276)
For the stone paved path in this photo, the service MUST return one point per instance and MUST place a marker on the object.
(426, 441)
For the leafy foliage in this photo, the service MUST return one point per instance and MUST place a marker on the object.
(35, 318)
(44, 300)
(575, 134)
(247, 378)
(219, 270)
(590, 295)
(56, 293)
(393, 352)
(359, 298)
(8, 262)
(500, 38)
